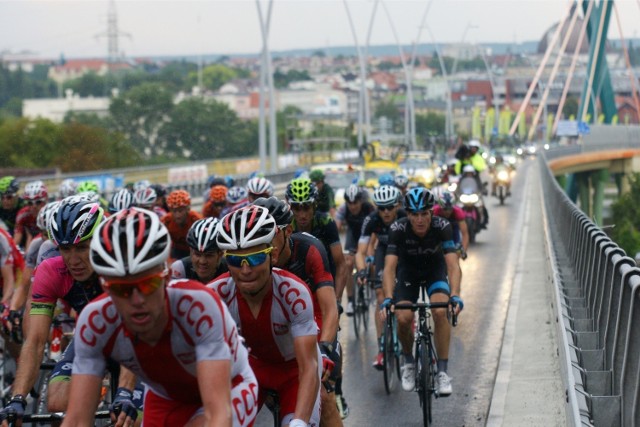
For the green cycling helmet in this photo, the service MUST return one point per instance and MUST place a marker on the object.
(301, 190)
(87, 186)
(9, 185)
(316, 175)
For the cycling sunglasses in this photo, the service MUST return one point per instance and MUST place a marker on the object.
(145, 285)
(35, 202)
(386, 208)
(253, 259)
(304, 206)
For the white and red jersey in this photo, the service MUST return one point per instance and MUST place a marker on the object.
(286, 313)
(200, 328)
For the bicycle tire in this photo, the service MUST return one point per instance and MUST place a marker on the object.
(356, 305)
(363, 307)
(390, 356)
(425, 380)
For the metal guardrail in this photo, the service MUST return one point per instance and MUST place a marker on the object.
(597, 307)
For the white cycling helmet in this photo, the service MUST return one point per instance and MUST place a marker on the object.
(130, 242)
(44, 215)
(121, 199)
(142, 184)
(260, 187)
(474, 143)
(144, 197)
(468, 169)
(245, 228)
(236, 194)
(35, 190)
(67, 188)
(202, 235)
(386, 195)
(353, 193)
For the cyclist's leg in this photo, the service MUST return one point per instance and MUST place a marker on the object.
(439, 291)
(288, 392)
(405, 292)
(163, 412)
(377, 288)
(60, 381)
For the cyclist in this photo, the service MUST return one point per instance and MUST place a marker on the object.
(23, 290)
(179, 339)
(91, 189)
(11, 266)
(351, 215)
(69, 277)
(147, 198)
(259, 187)
(9, 188)
(326, 201)
(205, 262)
(34, 197)
(179, 220)
(373, 244)
(217, 200)
(301, 194)
(304, 256)
(160, 206)
(274, 311)
(446, 208)
(421, 253)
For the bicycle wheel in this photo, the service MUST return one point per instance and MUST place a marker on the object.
(363, 306)
(356, 309)
(388, 349)
(424, 380)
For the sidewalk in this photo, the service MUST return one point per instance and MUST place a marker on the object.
(528, 389)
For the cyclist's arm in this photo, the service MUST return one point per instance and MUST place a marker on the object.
(31, 353)
(9, 282)
(389, 275)
(83, 399)
(342, 275)
(21, 293)
(214, 383)
(361, 254)
(306, 351)
(464, 232)
(326, 297)
(453, 271)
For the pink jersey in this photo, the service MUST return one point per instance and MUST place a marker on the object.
(52, 281)
(456, 215)
(286, 313)
(200, 328)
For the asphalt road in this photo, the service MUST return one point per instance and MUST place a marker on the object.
(476, 342)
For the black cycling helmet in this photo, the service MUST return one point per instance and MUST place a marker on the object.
(419, 199)
(74, 221)
(279, 209)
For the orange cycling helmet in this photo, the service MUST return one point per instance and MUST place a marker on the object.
(178, 199)
(218, 193)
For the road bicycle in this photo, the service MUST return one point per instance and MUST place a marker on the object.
(362, 298)
(391, 353)
(425, 355)
(48, 419)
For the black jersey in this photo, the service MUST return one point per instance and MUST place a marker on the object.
(419, 255)
(324, 228)
(309, 261)
(354, 222)
(374, 224)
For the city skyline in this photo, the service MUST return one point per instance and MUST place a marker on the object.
(51, 28)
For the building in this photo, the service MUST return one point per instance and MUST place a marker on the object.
(56, 109)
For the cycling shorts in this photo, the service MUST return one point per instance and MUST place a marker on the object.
(350, 243)
(282, 378)
(164, 412)
(408, 288)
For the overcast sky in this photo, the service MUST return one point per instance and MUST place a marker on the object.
(164, 27)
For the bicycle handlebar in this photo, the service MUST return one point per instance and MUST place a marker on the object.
(55, 416)
(419, 305)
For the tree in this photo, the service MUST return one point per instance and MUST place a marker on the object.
(389, 110)
(570, 107)
(90, 84)
(213, 76)
(282, 80)
(140, 113)
(626, 232)
(430, 125)
(201, 129)
(28, 143)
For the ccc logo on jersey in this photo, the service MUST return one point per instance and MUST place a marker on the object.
(292, 296)
(194, 312)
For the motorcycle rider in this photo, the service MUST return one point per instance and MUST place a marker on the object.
(468, 173)
(495, 169)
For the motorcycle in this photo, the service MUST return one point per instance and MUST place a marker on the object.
(469, 196)
(501, 183)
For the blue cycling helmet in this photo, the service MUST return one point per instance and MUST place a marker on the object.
(419, 199)
(386, 179)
